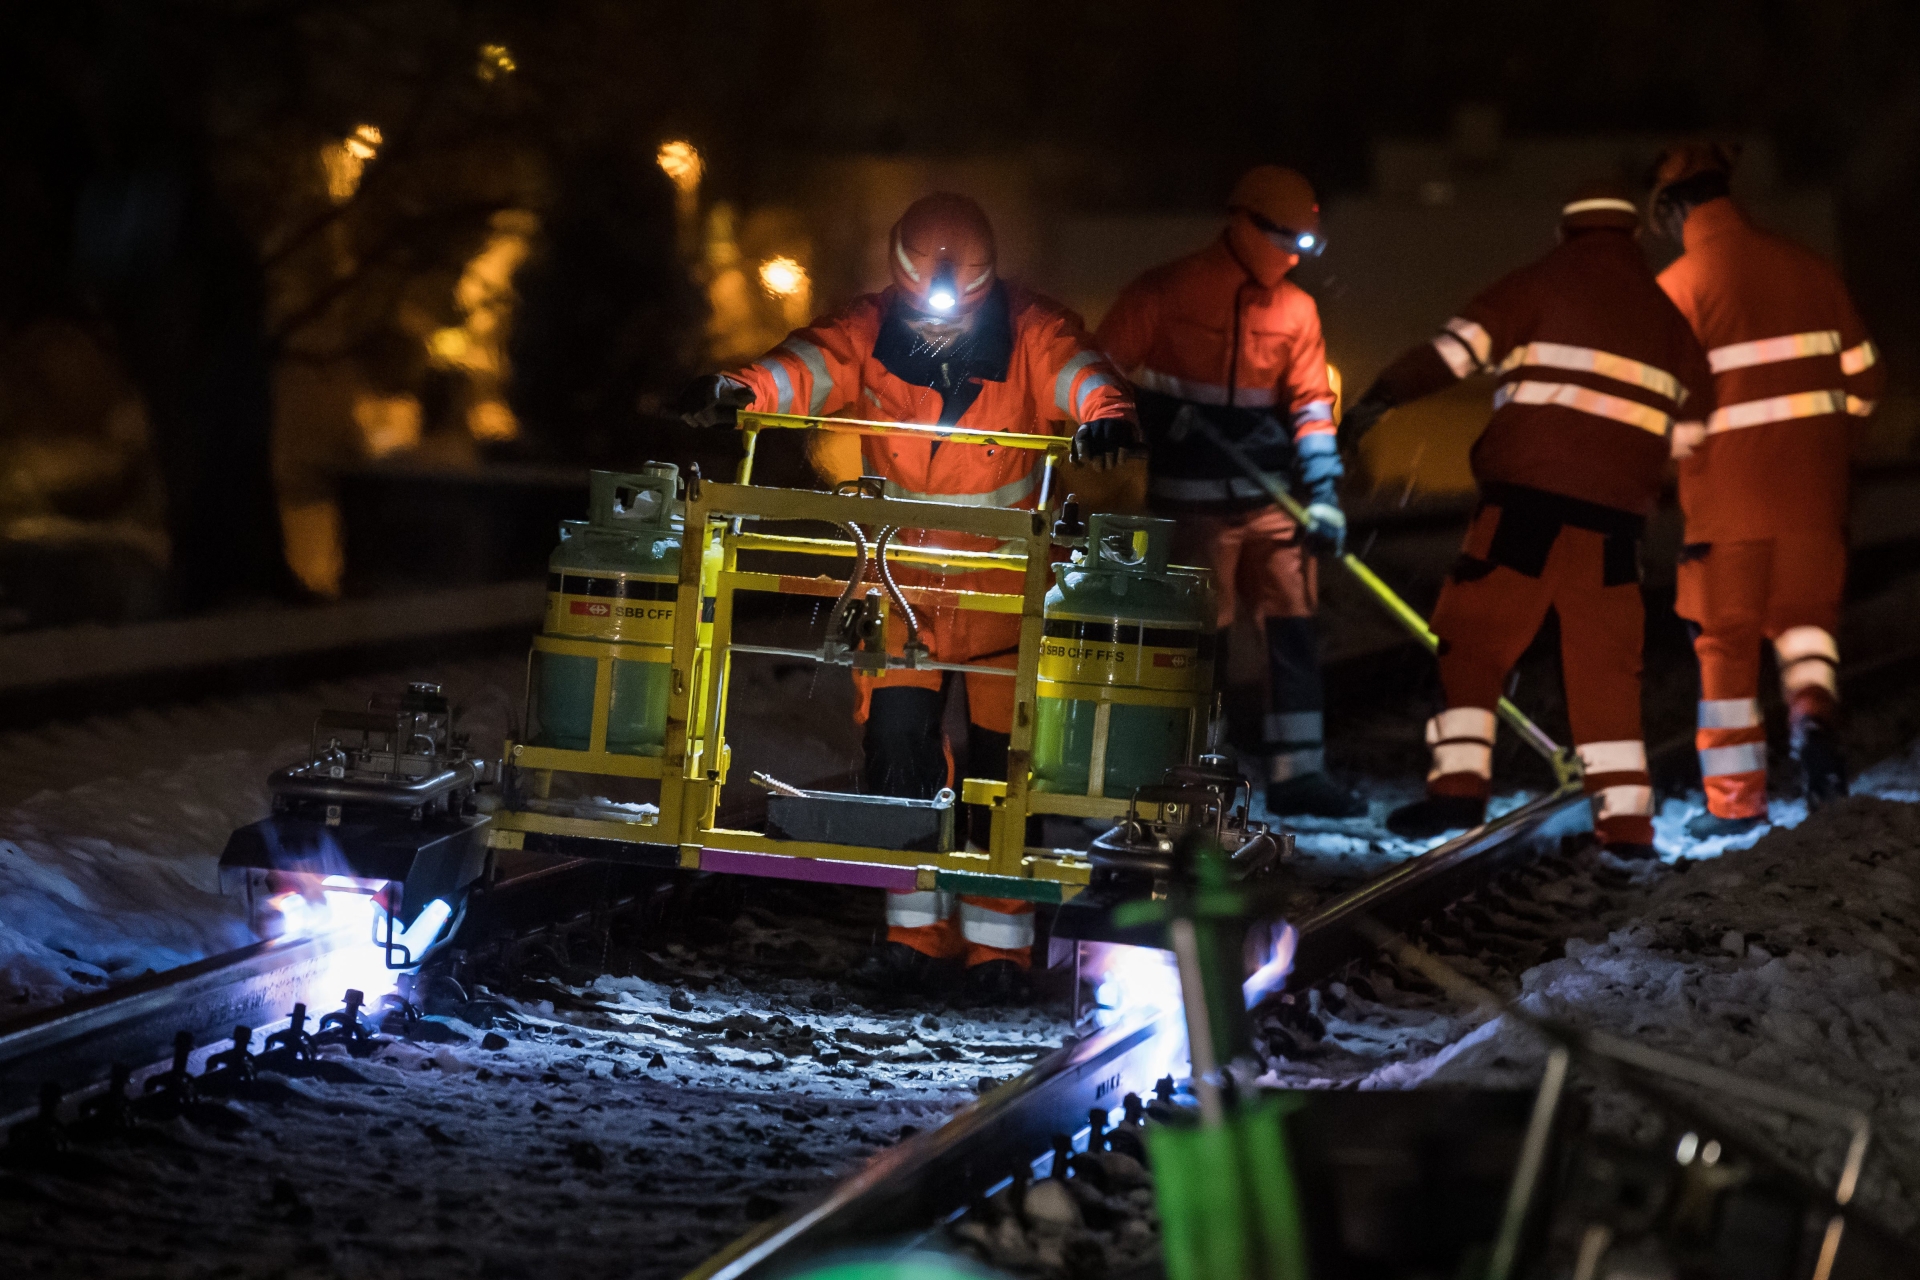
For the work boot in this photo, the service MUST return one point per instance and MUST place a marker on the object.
(996, 982)
(1313, 795)
(1425, 819)
(1822, 767)
(1709, 826)
(897, 969)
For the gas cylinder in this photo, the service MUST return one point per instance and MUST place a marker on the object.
(1125, 663)
(611, 589)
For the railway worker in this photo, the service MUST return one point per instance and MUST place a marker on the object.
(948, 342)
(1764, 486)
(1592, 365)
(1224, 336)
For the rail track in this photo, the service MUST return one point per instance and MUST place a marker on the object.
(902, 1195)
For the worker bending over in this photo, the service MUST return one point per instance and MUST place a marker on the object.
(1763, 485)
(1592, 365)
(947, 343)
(1224, 337)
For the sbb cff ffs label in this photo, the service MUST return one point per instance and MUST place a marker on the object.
(1086, 651)
(635, 610)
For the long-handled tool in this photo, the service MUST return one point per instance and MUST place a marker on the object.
(1565, 764)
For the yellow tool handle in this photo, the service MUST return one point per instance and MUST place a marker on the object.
(752, 420)
(1566, 765)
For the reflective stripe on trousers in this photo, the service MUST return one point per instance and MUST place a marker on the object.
(983, 926)
(918, 909)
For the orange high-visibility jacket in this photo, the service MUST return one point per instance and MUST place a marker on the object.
(1051, 375)
(1594, 365)
(1203, 331)
(1795, 377)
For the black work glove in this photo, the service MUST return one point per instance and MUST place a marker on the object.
(1103, 444)
(1362, 414)
(713, 401)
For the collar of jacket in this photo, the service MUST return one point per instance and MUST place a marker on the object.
(1716, 217)
(989, 357)
(1231, 261)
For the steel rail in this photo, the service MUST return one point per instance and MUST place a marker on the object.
(905, 1191)
(135, 1023)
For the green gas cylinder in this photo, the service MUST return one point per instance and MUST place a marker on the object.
(611, 589)
(1125, 663)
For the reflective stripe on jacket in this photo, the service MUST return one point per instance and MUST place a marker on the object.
(1055, 380)
(1795, 376)
(1201, 332)
(1594, 366)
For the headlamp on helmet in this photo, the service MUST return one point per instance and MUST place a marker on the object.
(1307, 244)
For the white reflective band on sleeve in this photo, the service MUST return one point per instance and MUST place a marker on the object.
(1454, 351)
(1461, 757)
(1623, 802)
(1794, 346)
(1472, 724)
(1285, 766)
(1742, 757)
(1558, 355)
(1063, 384)
(985, 927)
(918, 909)
(1477, 339)
(782, 384)
(1202, 392)
(816, 361)
(1755, 413)
(1585, 400)
(1859, 359)
(1626, 755)
(1088, 385)
(1796, 643)
(1729, 713)
(1295, 726)
(1861, 408)
(1313, 411)
(1010, 494)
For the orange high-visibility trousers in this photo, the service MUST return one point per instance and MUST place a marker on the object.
(1487, 616)
(1738, 594)
(935, 923)
(948, 925)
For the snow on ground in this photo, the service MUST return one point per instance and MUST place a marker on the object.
(111, 828)
(624, 1116)
(1794, 959)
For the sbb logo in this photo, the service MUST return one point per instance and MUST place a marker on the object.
(591, 608)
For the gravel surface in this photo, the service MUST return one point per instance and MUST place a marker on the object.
(644, 1095)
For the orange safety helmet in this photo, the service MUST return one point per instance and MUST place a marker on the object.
(1276, 221)
(1686, 174)
(942, 254)
(1600, 204)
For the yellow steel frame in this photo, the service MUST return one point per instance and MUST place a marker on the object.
(692, 768)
